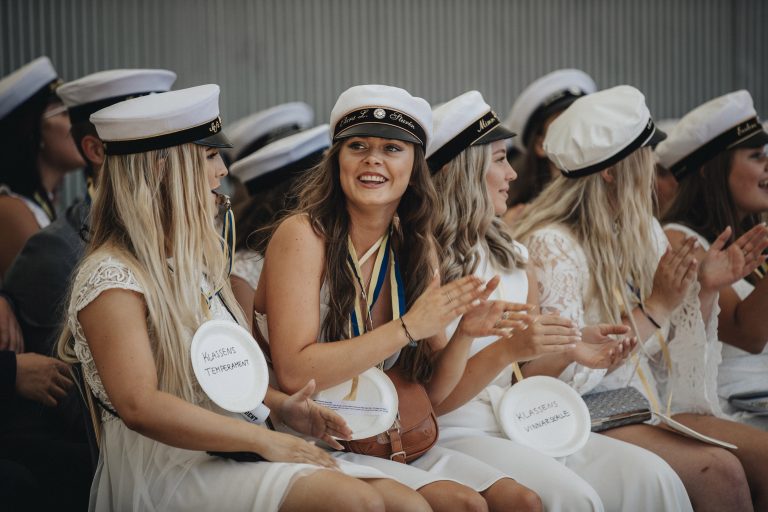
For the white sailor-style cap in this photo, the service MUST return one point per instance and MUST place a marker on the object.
(260, 128)
(26, 82)
(464, 121)
(283, 159)
(93, 92)
(599, 130)
(162, 120)
(547, 95)
(381, 111)
(726, 122)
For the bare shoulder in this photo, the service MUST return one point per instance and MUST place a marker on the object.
(13, 210)
(296, 233)
(675, 237)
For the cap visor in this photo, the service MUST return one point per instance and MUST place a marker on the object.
(756, 140)
(656, 137)
(385, 131)
(217, 140)
(499, 132)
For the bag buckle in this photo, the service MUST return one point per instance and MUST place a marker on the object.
(397, 454)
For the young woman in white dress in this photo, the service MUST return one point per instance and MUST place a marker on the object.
(472, 176)
(154, 271)
(372, 182)
(717, 153)
(596, 246)
(38, 151)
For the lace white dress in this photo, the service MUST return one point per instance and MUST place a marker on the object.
(564, 285)
(247, 266)
(739, 370)
(606, 474)
(137, 473)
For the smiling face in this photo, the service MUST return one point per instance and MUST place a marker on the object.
(375, 171)
(748, 181)
(499, 174)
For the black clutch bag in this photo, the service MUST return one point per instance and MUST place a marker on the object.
(616, 408)
(752, 401)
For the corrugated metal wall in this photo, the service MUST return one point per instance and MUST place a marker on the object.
(263, 52)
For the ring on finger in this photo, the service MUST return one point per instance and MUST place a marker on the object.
(505, 315)
(450, 298)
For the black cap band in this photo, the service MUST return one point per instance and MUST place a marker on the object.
(640, 141)
(557, 102)
(82, 113)
(125, 147)
(380, 115)
(462, 141)
(705, 153)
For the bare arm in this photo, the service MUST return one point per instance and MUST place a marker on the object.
(292, 276)
(114, 325)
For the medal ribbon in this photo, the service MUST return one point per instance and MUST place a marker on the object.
(385, 260)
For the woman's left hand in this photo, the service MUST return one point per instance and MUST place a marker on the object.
(303, 415)
(724, 266)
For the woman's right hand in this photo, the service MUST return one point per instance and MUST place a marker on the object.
(546, 334)
(676, 272)
(440, 305)
(282, 447)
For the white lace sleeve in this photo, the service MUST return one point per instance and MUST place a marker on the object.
(563, 277)
(93, 278)
(247, 266)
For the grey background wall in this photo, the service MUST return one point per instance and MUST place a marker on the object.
(264, 52)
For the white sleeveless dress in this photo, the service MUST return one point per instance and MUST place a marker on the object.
(40, 216)
(137, 473)
(739, 371)
(438, 464)
(606, 474)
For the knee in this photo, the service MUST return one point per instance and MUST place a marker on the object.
(723, 469)
(365, 498)
(467, 500)
(528, 501)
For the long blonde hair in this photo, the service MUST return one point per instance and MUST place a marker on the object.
(150, 206)
(466, 221)
(611, 221)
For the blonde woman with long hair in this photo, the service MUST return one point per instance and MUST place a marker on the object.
(600, 256)
(154, 271)
(472, 176)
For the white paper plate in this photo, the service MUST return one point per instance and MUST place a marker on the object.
(229, 365)
(546, 414)
(371, 411)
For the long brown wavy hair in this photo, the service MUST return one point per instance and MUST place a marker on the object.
(322, 199)
(704, 201)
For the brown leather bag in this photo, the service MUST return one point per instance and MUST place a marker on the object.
(414, 431)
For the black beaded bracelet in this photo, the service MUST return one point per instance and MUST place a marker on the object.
(411, 341)
(649, 317)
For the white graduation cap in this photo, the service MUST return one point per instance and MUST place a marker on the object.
(162, 120)
(260, 128)
(599, 130)
(24, 83)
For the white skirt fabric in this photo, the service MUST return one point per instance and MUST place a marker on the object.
(438, 464)
(606, 474)
(136, 474)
